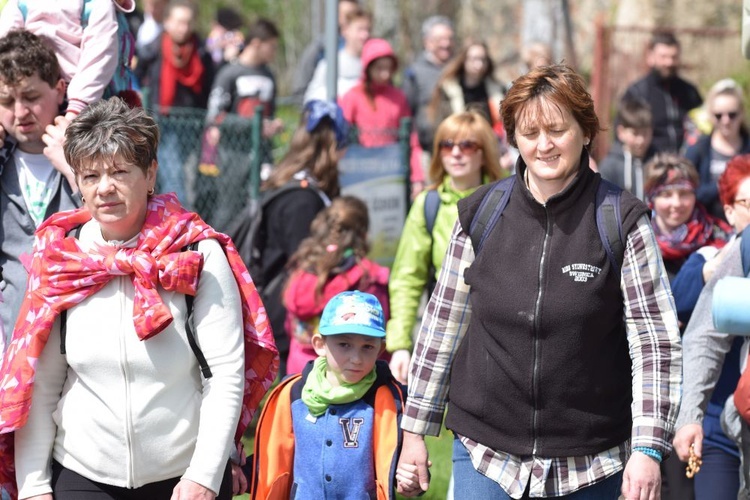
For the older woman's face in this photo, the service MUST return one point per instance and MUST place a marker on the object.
(116, 195)
(673, 208)
(738, 213)
(550, 141)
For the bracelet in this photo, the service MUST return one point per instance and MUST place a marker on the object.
(655, 454)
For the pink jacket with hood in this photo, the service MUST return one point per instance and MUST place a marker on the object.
(378, 120)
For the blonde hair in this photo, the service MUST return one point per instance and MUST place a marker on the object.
(466, 125)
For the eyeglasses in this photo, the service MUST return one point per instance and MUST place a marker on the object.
(732, 115)
(466, 147)
(744, 202)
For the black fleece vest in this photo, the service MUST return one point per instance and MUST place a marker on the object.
(544, 368)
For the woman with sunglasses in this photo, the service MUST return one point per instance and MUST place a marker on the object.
(549, 351)
(465, 156)
(725, 104)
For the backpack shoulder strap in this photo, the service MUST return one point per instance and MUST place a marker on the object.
(489, 212)
(431, 206)
(745, 252)
(23, 8)
(387, 436)
(85, 13)
(609, 222)
(190, 327)
(273, 456)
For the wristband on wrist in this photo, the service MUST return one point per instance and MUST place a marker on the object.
(655, 454)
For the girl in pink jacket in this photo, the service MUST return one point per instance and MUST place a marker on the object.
(331, 260)
(375, 106)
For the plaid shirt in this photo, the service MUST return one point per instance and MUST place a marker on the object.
(654, 343)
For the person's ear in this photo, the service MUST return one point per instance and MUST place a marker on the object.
(729, 213)
(60, 88)
(382, 347)
(151, 175)
(319, 344)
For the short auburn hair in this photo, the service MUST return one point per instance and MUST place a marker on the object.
(558, 84)
(737, 170)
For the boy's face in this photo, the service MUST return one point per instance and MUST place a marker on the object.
(635, 140)
(27, 108)
(356, 33)
(350, 356)
(267, 50)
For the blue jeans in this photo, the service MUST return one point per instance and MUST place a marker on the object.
(469, 483)
(719, 478)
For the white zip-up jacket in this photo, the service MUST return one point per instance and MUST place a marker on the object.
(126, 412)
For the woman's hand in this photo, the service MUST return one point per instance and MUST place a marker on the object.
(239, 481)
(642, 478)
(690, 434)
(413, 460)
(189, 490)
(399, 365)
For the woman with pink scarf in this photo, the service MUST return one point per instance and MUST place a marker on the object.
(102, 390)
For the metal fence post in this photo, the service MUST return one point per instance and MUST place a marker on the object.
(256, 152)
(404, 139)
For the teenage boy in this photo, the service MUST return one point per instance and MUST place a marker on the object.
(238, 89)
(35, 179)
(355, 32)
(623, 164)
(332, 432)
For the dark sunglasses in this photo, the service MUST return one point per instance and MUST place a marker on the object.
(732, 115)
(466, 147)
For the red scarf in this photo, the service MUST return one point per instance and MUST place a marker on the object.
(702, 229)
(180, 64)
(62, 275)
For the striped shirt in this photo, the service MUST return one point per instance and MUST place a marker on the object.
(655, 350)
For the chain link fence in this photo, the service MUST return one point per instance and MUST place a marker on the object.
(215, 170)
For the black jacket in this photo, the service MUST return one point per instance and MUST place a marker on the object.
(670, 101)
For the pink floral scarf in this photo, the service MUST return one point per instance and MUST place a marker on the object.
(62, 275)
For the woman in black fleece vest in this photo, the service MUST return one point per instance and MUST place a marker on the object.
(562, 365)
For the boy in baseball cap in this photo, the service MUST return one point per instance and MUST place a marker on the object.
(335, 427)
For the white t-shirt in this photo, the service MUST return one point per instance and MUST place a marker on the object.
(36, 175)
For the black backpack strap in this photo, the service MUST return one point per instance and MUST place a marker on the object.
(75, 233)
(190, 327)
(489, 212)
(609, 222)
(745, 250)
(431, 207)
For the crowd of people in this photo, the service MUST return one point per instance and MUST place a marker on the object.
(554, 355)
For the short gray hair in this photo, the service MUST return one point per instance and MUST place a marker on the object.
(433, 21)
(109, 129)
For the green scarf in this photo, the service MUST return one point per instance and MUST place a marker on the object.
(318, 393)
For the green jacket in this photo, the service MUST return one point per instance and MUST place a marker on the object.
(409, 274)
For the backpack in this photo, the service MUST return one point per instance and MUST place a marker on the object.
(608, 217)
(123, 79)
(432, 204)
(245, 229)
(270, 469)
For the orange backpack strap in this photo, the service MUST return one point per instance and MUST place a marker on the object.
(273, 459)
(389, 402)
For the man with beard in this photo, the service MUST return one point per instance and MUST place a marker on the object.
(669, 96)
